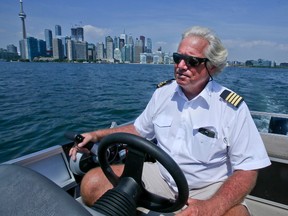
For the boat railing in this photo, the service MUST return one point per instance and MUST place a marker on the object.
(269, 114)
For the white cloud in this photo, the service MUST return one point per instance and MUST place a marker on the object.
(161, 43)
(93, 33)
(95, 30)
(255, 49)
(283, 47)
(254, 44)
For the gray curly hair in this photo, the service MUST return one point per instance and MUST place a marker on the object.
(215, 52)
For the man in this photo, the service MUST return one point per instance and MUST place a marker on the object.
(206, 128)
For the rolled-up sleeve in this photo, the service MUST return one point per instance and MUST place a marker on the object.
(144, 122)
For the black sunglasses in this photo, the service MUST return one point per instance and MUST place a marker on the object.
(190, 61)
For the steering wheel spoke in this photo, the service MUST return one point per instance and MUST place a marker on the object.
(134, 164)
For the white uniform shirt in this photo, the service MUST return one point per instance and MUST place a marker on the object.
(175, 121)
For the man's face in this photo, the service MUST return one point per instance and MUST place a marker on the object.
(191, 77)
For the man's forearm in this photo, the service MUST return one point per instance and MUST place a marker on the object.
(99, 134)
(233, 190)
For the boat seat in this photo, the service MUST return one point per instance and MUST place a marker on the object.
(276, 145)
(258, 206)
(25, 192)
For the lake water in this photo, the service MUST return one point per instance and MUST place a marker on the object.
(41, 101)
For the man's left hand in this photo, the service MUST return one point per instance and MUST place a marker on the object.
(196, 208)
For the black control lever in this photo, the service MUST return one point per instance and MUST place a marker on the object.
(78, 138)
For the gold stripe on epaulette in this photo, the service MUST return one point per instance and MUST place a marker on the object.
(164, 83)
(231, 97)
(238, 101)
(161, 84)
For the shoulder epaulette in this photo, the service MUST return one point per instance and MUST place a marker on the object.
(165, 83)
(232, 98)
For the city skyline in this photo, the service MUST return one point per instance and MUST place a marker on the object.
(249, 30)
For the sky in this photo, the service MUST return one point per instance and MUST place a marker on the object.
(249, 29)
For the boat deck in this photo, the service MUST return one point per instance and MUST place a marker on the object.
(269, 197)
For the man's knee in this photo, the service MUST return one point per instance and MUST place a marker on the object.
(94, 184)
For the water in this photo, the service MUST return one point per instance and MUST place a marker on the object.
(41, 101)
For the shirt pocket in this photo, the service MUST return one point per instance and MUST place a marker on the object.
(206, 147)
(162, 126)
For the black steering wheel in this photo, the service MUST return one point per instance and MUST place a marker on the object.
(129, 192)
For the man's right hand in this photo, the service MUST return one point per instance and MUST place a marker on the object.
(80, 147)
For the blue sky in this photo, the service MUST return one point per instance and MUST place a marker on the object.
(250, 29)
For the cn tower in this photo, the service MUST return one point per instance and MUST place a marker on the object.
(22, 16)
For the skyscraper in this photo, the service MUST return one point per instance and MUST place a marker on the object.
(142, 38)
(57, 49)
(91, 52)
(100, 51)
(128, 53)
(123, 37)
(149, 45)
(58, 32)
(32, 48)
(138, 48)
(109, 49)
(70, 50)
(77, 34)
(116, 42)
(117, 55)
(81, 50)
(48, 39)
(80, 33)
(64, 43)
(130, 40)
(41, 48)
(121, 43)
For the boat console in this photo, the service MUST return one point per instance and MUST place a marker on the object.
(51, 163)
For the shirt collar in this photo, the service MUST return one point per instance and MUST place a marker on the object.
(205, 93)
